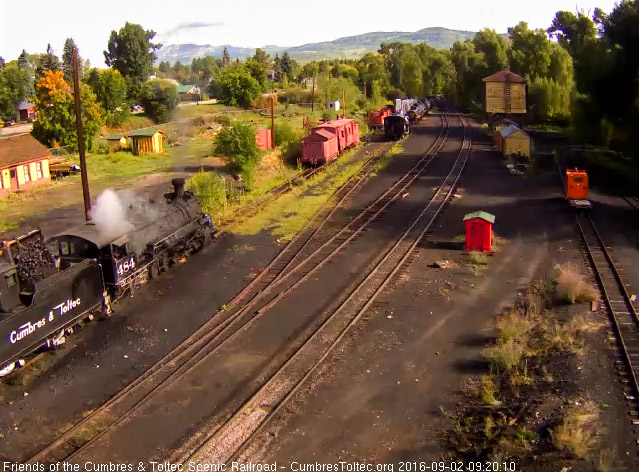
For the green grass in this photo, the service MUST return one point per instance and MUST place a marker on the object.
(285, 217)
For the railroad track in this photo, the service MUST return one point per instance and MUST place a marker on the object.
(254, 207)
(617, 304)
(619, 307)
(632, 201)
(231, 438)
(198, 346)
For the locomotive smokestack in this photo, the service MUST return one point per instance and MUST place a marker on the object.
(178, 188)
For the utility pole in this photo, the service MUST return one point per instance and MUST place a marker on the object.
(272, 121)
(80, 130)
(313, 96)
(344, 100)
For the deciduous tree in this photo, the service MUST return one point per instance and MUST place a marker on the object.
(56, 121)
(109, 87)
(159, 98)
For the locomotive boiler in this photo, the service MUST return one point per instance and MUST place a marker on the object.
(46, 289)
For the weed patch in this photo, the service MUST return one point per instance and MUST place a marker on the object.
(577, 432)
(571, 287)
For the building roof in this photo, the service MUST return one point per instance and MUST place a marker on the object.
(504, 76)
(114, 137)
(143, 132)
(508, 130)
(25, 105)
(22, 148)
(480, 214)
(185, 88)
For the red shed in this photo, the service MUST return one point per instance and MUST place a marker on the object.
(263, 139)
(319, 147)
(479, 231)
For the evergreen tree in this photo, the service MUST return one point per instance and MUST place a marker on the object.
(226, 58)
(67, 61)
(286, 65)
(2, 62)
(48, 61)
(23, 64)
(277, 68)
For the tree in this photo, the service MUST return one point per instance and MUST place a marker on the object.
(257, 71)
(15, 85)
(23, 64)
(159, 98)
(226, 58)
(236, 87)
(530, 51)
(109, 87)
(165, 66)
(261, 57)
(131, 52)
(237, 143)
(67, 60)
(410, 74)
(2, 63)
(277, 68)
(470, 68)
(286, 65)
(205, 68)
(494, 48)
(48, 61)
(56, 121)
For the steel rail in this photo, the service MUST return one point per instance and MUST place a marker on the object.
(256, 403)
(73, 440)
(215, 339)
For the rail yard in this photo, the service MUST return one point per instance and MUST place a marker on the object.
(418, 259)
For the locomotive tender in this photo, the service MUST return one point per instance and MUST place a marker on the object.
(91, 269)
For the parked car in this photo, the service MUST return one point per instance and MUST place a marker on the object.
(136, 108)
(9, 123)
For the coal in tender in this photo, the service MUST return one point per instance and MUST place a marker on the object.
(33, 259)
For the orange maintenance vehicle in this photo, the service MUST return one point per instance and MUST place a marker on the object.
(577, 188)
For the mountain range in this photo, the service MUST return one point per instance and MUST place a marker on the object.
(350, 47)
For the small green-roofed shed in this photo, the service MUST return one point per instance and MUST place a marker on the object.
(479, 231)
(147, 140)
(484, 215)
(116, 142)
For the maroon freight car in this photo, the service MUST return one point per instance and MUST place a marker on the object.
(328, 140)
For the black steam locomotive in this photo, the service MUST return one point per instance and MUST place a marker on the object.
(45, 290)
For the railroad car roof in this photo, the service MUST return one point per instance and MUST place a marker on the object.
(90, 232)
(326, 135)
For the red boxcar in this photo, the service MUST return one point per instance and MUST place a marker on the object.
(328, 140)
(319, 147)
(346, 130)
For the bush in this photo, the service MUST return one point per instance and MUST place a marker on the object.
(570, 285)
(290, 142)
(236, 142)
(505, 356)
(159, 98)
(513, 326)
(211, 189)
(236, 87)
(577, 433)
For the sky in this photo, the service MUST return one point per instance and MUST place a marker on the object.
(32, 24)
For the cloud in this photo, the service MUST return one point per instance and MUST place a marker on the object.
(191, 26)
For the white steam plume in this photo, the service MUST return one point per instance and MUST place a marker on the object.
(110, 215)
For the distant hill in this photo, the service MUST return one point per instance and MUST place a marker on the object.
(350, 47)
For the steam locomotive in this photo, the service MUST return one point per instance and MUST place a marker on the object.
(46, 289)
